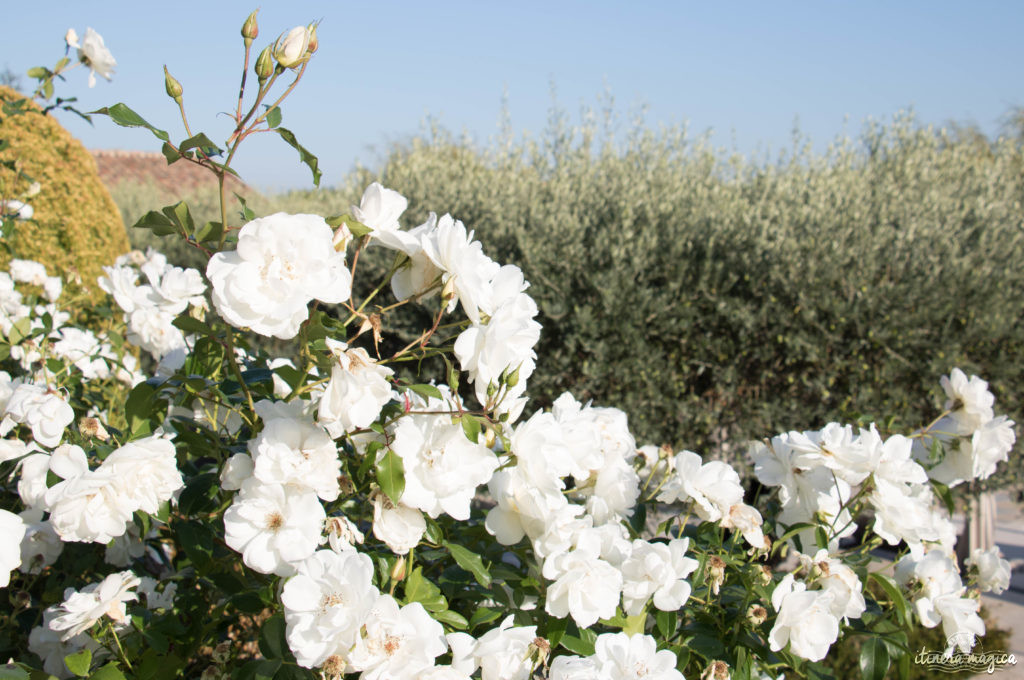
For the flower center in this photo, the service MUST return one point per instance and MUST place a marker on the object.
(275, 521)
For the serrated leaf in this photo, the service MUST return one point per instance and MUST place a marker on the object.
(471, 562)
(484, 615)
(210, 231)
(471, 427)
(426, 391)
(79, 662)
(157, 222)
(304, 155)
(419, 589)
(391, 476)
(201, 142)
(191, 325)
(874, 659)
(453, 619)
(125, 117)
(577, 645)
(274, 117)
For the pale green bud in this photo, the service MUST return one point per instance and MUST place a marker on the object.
(250, 29)
(172, 86)
(265, 64)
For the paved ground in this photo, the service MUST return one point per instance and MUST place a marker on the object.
(1008, 609)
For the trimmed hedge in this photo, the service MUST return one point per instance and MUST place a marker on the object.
(76, 228)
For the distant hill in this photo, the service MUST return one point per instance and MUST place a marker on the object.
(144, 167)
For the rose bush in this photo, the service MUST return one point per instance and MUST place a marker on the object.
(185, 503)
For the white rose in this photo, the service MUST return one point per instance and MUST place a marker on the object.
(356, 393)
(400, 527)
(993, 570)
(282, 262)
(94, 54)
(12, 531)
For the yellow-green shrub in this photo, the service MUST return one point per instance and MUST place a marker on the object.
(76, 227)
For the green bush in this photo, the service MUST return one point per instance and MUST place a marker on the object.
(716, 298)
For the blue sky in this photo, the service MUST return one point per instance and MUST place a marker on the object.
(745, 70)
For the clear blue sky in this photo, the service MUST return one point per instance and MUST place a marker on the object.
(746, 70)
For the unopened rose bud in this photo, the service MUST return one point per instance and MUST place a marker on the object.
(71, 38)
(398, 571)
(264, 64)
(313, 42)
(716, 670)
(489, 437)
(756, 615)
(513, 378)
(290, 48)
(172, 86)
(250, 29)
(448, 292)
(342, 237)
(91, 428)
(714, 572)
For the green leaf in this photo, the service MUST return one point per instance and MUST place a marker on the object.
(199, 493)
(125, 117)
(391, 475)
(426, 391)
(19, 673)
(577, 645)
(38, 72)
(191, 325)
(471, 426)
(453, 619)
(170, 153)
(210, 231)
(304, 155)
(894, 593)
(874, 659)
(274, 117)
(79, 662)
(180, 216)
(139, 410)
(157, 222)
(471, 562)
(943, 492)
(201, 142)
(666, 622)
(484, 615)
(21, 329)
(246, 213)
(259, 669)
(273, 643)
(108, 672)
(420, 589)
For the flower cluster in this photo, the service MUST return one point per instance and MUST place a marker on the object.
(365, 519)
